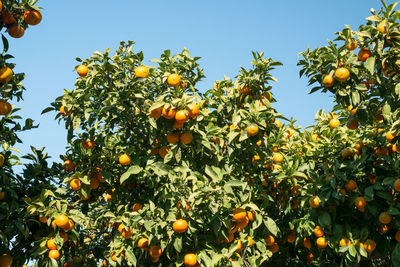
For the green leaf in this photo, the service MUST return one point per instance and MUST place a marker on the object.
(178, 244)
(271, 226)
(135, 169)
(325, 219)
(396, 255)
(370, 64)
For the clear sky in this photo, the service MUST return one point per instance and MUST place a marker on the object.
(222, 32)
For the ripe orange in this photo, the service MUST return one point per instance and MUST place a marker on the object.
(173, 138)
(364, 54)
(244, 89)
(42, 219)
(124, 159)
(6, 74)
(350, 185)
(114, 258)
(352, 44)
(251, 215)
(51, 244)
(82, 70)
(7, 18)
(269, 240)
(344, 242)
(187, 207)
(142, 72)
(309, 257)
(163, 151)
(174, 80)
(360, 203)
(108, 197)
(342, 74)
(125, 232)
(353, 124)
(390, 136)
(62, 221)
(6, 260)
(328, 81)
(252, 129)
(194, 110)
(333, 123)
(137, 207)
(306, 243)
(181, 116)
(385, 217)
(155, 113)
(383, 229)
(68, 165)
(242, 223)
(190, 260)
(277, 157)
(64, 236)
(168, 113)
(318, 232)
(382, 27)
(32, 17)
(5, 107)
(369, 245)
(180, 226)
(314, 201)
(397, 185)
(321, 242)
(178, 125)
(75, 184)
(155, 251)
(352, 110)
(239, 214)
(54, 254)
(69, 226)
(397, 236)
(143, 243)
(94, 183)
(274, 248)
(16, 31)
(87, 144)
(186, 138)
(62, 111)
(278, 123)
(291, 237)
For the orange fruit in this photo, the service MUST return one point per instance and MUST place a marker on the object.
(251, 215)
(239, 214)
(114, 258)
(5, 260)
(54, 254)
(82, 70)
(94, 183)
(353, 124)
(369, 245)
(124, 159)
(6, 74)
(364, 54)
(64, 236)
(53, 224)
(274, 248)
(142, 72)
(108, 197)
(51, 244)
(352, 44)
(180, 226)
(385, 217)
(155, 113)
(306, 243)
(174, 80)
(125, 232)
(154, 259)
(68, 165)
(181, 116)
(190, 260)
(309, 257)
(342, 74)
(186, 138)
(277, 157)
(143, 243)
(278, 123)
(390, 136)
(321, 242)
(32, 17)
(344, 242)
(155, 251)
(178, 125)
(360, 203)
(163, 151)
(397, 236)
(187, 207)
(328, 81)
(87, 144)
(62, 111)
(352, 110)
(291, 237)
(7, 18)
(333, 123)
(314, 201)
(62, 221)
(75, 184)
(16, 31)
(351, 185)
(168, 113)
(69, 226)
(382, 27)
(383, 229)
(5, 107)
(173, 138)
(137, 207)
(194, 110)
(244, 89)
(269, 240)
(42, 219)
(252, 129)
(396, 185)
(318, 232)
(242, 223)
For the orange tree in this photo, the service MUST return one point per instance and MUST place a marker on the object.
(158, 173)
(17, 231)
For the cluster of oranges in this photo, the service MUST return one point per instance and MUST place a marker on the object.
(11, 18)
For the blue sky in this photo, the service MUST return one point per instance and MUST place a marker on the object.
(222, 32)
